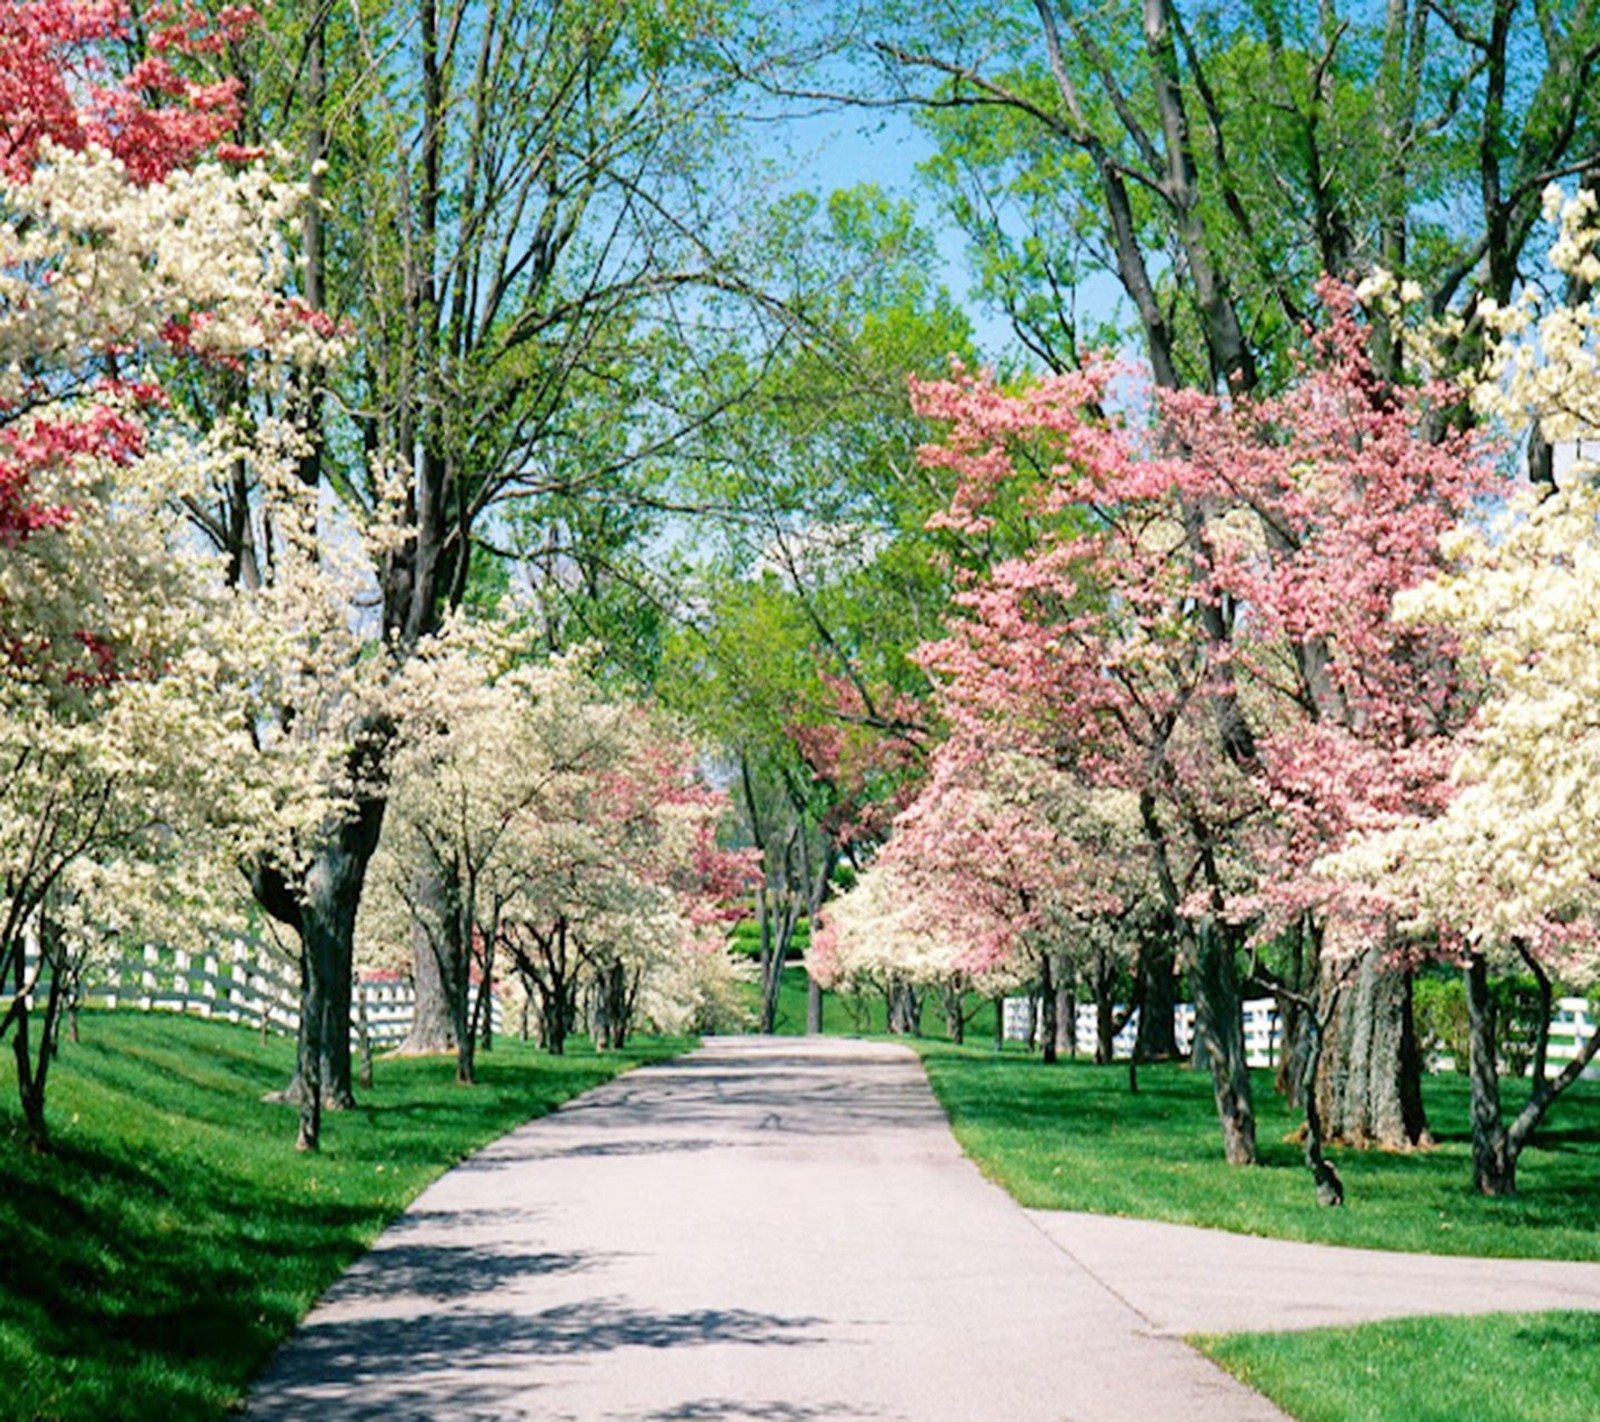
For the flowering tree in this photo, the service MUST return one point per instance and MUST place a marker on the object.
(882, 936)
(123, 660)
(59, 84)
(1202, 623)
(1014, 858)
(628, 894)
(462, 780)
(103, 260)
(1506, 871)
(567, 829)
(1007, 861)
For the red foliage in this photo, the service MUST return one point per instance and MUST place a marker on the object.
(1205, 618)
(104, 432)
(634, 804)
(57, 83)
(868, 772)
(20, 515)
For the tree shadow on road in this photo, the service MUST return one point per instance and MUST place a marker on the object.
(447, 1271)
(792, 1093)
(512, 1156)
(469, 1363)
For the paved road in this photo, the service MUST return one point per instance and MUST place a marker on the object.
(1184, 1280)
(778, 1230)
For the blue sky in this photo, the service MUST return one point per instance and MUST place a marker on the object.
(883, 146)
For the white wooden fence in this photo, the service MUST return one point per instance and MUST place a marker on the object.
(1572, 1023)
(243, 982)
(1260, 1027)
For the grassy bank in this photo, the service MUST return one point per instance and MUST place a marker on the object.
(173, 1237)
(1498, 1368)
(1071, 1137)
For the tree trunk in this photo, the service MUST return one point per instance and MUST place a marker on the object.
(952, 993)
(778, 921)
(1369, 1084)
(777, 904)
(483, 1004)
(614, 1004)
(1299, 1034)
(905, 1010)
(33, 1067)
(816, 890)
(1105, 1042)
(433, 1029)
(308, 1134)
(1157, 1039)
(555, 1012)
(459, 952)
(768, 1013)
(328, 921)
(1067, 1011)
(1494, 1164)
(1295, 1034)
(363, 1038)
(1496, 1147)
(1047, 1008)
(1103, 979)
(1207, 954)
(329, 896)
(1219, 1034)
(545, 968)
(1330, 1188)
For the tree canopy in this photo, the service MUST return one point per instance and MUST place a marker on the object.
(442, 439)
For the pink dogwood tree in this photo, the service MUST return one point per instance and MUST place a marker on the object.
(1203, 623)
(1015, 857)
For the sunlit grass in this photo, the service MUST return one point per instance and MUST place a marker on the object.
(1498, 1368)
(155, 1258)
(1071, 1137)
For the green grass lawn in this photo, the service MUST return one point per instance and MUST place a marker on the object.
(173, 1236)
(1071, 1137)
(1508, 1367)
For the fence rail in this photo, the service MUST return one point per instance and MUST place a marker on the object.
(1572, 1023)
(245, 982)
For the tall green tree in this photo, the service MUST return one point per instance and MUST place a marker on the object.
(1219, 159)
(511, 208)
(819, 577)
(1209, 163)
